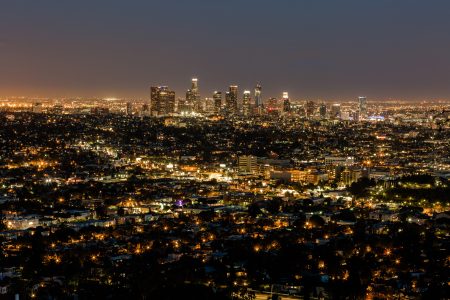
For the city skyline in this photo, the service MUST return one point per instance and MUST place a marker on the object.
(326, 50)
(224, 150)
(202, 95)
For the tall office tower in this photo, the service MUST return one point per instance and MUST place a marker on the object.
(323, 111)
(154, 99)
(362, 106)
(145, 110)
(246, 105)
(355, 116)
(167, 97)
(129, 109)
(194, 86)
(258, 98)
(336, 111)
(182, 106)
(217, 96)
(228, 103)
(286, 102)
(310, 109)
(162, 100)
(197, 103)
(190, 101)
(193, 101)
(231, 100)
(209, 106)
(272, 106)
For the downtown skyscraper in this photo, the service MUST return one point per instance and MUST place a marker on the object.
(323, 111)
(193, 97)
(246, 103)
(286, 102)
(162, 100)
(217, 96)
(231, 100)
(362, 106)
(258, 99)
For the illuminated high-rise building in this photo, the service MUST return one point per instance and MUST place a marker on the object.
(231, 99)
(355, 115)
(246, 105)
(182, 106)
(194, 86)
(162, 100)
(272, 106)
(310, 108)
(362, 101)
(258, 97)
(189, 102)
(248, 164)
(145, 110)
(336, 111)
(209, 107)
(286, 102)
(323, 111)
(198, 107)
(217, 96)
(193, 97)
(153, 92)
(129, 109)
(228, 102)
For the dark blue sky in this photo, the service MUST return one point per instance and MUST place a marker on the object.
(315, 49)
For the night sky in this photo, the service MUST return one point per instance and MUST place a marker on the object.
(315, 49)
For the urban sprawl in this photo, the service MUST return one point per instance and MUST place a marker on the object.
(233, 196)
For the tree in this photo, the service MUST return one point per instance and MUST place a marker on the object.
(254, 209)
(2, 225)
(300, 221)
(360, 187)
(274, 206)
(317, 221)
(346, 215)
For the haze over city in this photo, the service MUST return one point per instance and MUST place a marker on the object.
(313, 49)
